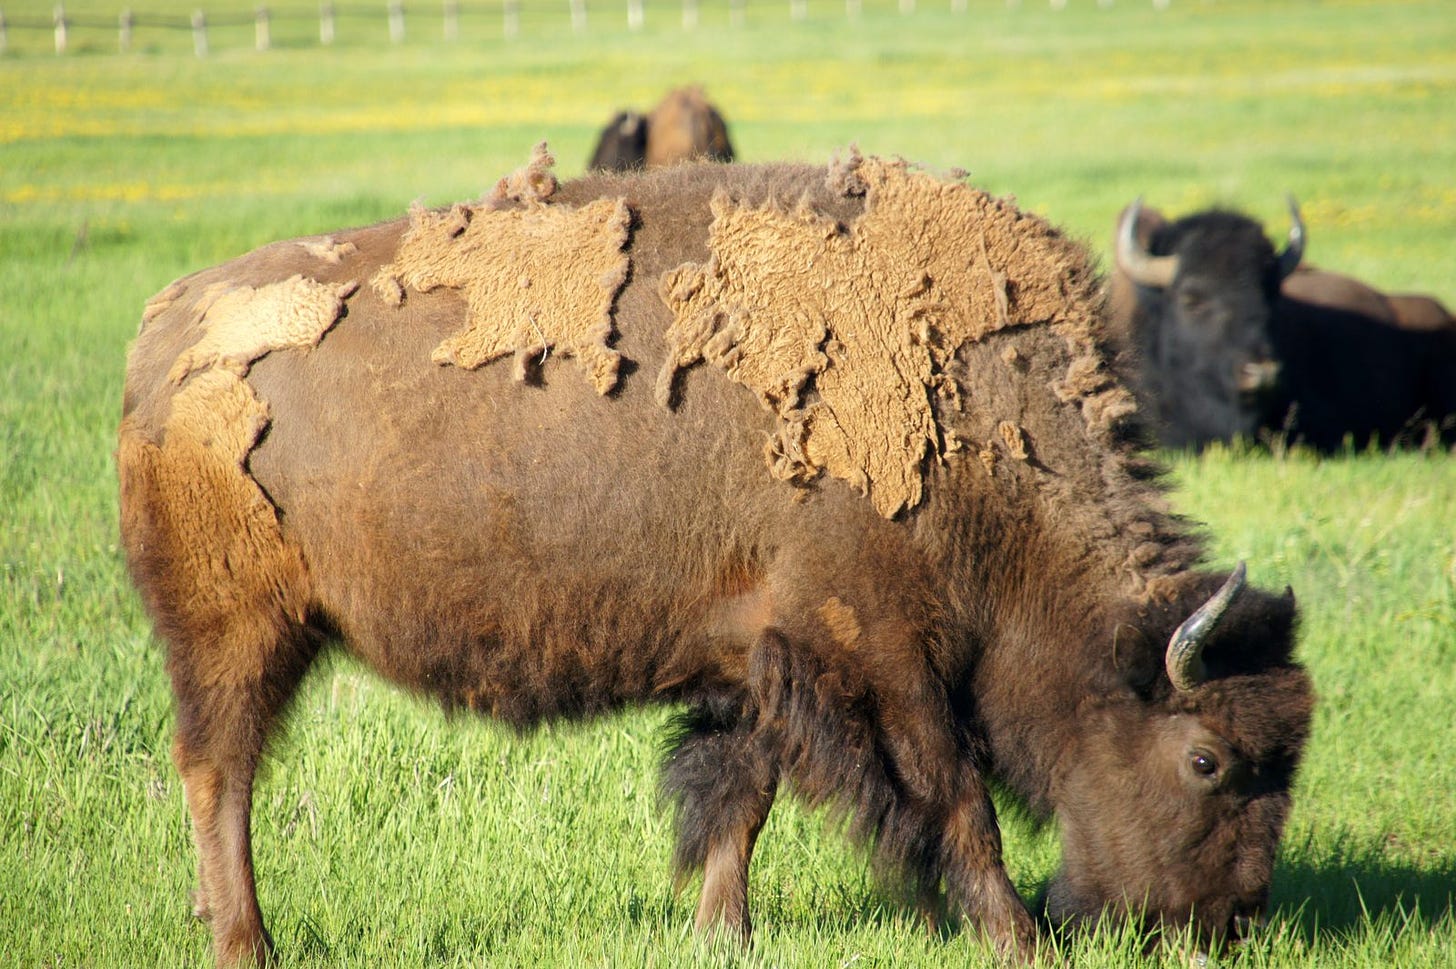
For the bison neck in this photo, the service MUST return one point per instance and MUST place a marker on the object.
(1051, 618)
(1044, 657)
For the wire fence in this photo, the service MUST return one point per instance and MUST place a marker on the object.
(389, 21)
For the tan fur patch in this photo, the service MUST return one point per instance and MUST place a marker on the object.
(161, 301)
(328, 250)
(842, 620)
(533, 279)
(865, 316)
(532, 182)
(204, 492)
(241, 323)
(1015, 440)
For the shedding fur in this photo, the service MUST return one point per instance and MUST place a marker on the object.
(197, 485)
(533, 182)
(535, 278)
(161, 301)
(240, 323)
(328, 250)
(845, 332)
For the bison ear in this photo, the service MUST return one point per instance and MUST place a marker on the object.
(1135, 660)
(1260, 633)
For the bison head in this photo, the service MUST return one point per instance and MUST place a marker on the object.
(1206, 286)
(1173, 795)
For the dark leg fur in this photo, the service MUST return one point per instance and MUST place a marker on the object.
(815, 725)
(974, 874)
(724, 784)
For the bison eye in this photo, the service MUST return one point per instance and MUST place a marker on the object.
(1203, 764)
(1191, 301)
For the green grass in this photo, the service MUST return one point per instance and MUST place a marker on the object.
(389, 836)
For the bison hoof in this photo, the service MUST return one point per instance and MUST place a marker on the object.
(245, 950)
(201, 910)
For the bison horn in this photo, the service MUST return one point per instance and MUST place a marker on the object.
(1184, 660)
(1143, 268)
(1293, 252)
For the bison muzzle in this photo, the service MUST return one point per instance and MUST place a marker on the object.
(831, 459)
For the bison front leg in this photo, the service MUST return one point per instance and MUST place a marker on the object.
(724, 784)
(975, 876)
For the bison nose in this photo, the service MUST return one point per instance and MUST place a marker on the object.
(1244, 923)
(1258, 375)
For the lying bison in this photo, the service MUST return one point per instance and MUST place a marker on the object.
(685, 126)
(622, 144)
(1226, 337)
(760, 442)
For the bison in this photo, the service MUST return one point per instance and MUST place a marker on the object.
(761, 442)
(684, 126)
(1225, 337)
(622, 144)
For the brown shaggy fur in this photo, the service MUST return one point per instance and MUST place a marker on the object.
(549, 550)
(535, 278)
(685, 126)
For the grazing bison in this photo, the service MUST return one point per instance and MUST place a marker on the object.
(1223, 337)
(760, 442)
(683, 127)
(622, 145)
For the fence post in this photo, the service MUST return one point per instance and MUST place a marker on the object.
(690, 14)
(61, 28)
(578, 15)
(396, 21)
(199, 33)
(326, 23)
(262, 36)
(128, 22)
(635, 16)
(798, 10)
(512, 26)
(4, 34)
(451, 27)
(735, 13)
(852, 9)
(907, 7)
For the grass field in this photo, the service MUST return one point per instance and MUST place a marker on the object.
(389, 836)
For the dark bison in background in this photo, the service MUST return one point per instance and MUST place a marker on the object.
(1224, 336)
(684, 126)
(622, 145)
(754, 441)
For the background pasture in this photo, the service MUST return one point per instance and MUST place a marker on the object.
(388, 836)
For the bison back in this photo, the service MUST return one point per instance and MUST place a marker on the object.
(500, 524)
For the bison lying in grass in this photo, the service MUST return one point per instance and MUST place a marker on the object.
(1225, 337)
(829, 458)
(685, 126)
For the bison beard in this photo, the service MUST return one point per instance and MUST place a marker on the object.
(834, 462)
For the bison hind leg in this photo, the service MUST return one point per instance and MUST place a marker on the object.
(225, 716)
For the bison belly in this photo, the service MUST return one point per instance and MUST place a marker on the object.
(526, 547)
